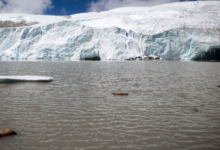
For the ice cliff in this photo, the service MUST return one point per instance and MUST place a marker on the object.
(187, 30)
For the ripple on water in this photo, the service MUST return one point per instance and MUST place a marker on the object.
(171, 105)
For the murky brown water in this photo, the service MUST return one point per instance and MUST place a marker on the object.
(171, 105)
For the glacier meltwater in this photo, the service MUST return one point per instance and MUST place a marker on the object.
(187, 31)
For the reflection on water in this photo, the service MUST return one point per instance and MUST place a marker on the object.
(171, 105)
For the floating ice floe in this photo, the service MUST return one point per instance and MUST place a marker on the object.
(11, 79)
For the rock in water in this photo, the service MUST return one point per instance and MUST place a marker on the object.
(195, 110)
(6, 132)
(120, 93)
(219, 86)
(153, 57)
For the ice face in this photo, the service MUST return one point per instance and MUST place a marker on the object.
(184, 31)
(66, 39)
(182, 43)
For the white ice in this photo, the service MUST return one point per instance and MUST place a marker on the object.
(24, 78)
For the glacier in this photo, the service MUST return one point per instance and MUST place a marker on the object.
(176, 31)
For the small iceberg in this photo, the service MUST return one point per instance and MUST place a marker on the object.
(12, 79)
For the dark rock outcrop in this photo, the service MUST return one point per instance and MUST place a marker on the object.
(10, 24)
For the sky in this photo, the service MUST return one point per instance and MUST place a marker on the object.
(68, 7)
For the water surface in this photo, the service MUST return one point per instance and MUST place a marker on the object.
(171, 105)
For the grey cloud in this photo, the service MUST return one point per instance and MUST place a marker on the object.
(25, 6)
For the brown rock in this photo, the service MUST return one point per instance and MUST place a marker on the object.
(7, 131)
(195, 110)
(152, 58)
(120, 93)
(5, 24)
(219, 86)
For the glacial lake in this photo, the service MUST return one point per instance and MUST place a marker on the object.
(171, 105)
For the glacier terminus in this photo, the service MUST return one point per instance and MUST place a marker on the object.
(175, 31)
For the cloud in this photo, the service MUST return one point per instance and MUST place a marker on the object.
(25, 6)
(63, 11)
(102, 5)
